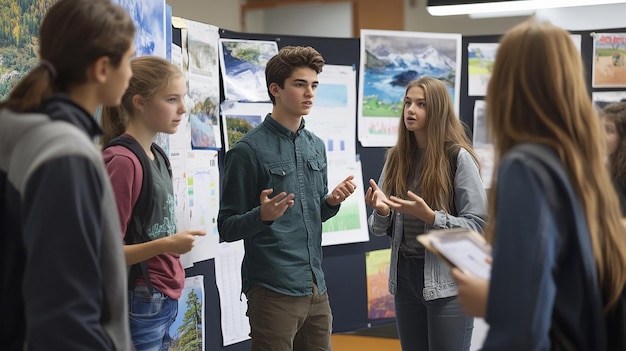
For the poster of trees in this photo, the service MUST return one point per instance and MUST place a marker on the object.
(19, 27)
(187, 331)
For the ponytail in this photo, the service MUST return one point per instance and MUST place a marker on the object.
(114, 123)
(29, 93)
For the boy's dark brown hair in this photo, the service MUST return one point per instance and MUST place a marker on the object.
(280, 67)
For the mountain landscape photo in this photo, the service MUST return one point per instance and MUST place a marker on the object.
(391, 63)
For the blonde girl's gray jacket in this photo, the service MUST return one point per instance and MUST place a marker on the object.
(470, 201)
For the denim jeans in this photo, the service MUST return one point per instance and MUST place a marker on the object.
(151, 318)
(435, 325)
(289, 323)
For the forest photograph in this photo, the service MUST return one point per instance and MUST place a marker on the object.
(19, 28)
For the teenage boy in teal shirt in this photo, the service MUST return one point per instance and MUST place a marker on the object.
(275, 198)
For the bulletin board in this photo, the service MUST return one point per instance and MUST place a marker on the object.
(344, 265)
(586, 50)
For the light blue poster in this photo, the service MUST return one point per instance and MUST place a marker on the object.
(149, 17)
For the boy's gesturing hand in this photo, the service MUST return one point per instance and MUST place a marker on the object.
(273, 208)
(341, 191)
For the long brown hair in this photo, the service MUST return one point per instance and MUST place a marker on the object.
(150, 75)
(73, 34)
(538, 93)
(616, 113)
(444, 131)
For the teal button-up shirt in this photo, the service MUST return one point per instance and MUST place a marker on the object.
(285, 254)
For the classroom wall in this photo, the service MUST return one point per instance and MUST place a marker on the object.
(325, 19)
(586, 17)
(221, 13)
(334, 19)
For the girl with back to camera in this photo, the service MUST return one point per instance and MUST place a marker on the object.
(559, 250)
(63, 277)
(430, 180)
(614, 118)
(152, 103)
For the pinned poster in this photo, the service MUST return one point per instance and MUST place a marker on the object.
(609, 60)
(187, 331)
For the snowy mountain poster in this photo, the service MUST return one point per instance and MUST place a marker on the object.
(389, 61)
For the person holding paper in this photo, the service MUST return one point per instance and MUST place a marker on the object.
(430, 179)
(559, 249)
(614, 118)
(275, 197)
(152, 103)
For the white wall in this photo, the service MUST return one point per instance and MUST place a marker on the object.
(221, 13)
(586, 17)
(417, 18)
(335, 19)
(313, 19)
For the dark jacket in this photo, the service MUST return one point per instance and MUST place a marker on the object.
(62, 272)
(544, 286)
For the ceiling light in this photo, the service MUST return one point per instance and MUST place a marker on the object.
(445, 8)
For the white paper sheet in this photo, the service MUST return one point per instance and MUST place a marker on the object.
(233, 304)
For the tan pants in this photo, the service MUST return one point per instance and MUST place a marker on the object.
(289, 323)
